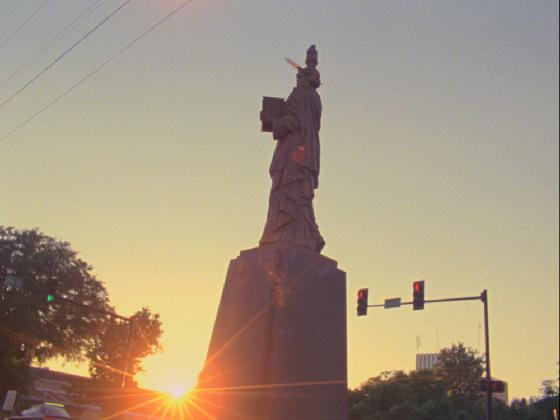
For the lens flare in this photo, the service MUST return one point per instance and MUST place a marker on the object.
(177, 391)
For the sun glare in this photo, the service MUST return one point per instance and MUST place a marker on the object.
(177, 391)
(177, 403)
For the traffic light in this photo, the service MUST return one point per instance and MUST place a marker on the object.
(362, 302)
(50, 289)
(497, 386)
(418, 295)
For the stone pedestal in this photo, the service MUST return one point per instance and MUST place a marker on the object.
(278, 348)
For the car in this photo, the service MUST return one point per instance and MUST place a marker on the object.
(43, 412)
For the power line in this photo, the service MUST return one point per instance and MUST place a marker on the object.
(76, 21)
(78, 83)
(20, 27)
(56, 60)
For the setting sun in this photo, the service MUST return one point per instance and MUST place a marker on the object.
(167, 375)
(178, 391)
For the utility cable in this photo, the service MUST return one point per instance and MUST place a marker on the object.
(20, 27)
(61, 56)
(76, 21)
(78, 83)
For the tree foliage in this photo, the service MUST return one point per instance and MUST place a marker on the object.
(447, 392)
(122, 345)
(34, 330)
(460, 369)
(450, 391)
(551, 387)
(536, 409)
(418, 395)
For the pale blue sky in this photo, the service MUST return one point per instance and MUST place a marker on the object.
(440, 161)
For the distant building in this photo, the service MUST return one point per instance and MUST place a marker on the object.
(426, 360)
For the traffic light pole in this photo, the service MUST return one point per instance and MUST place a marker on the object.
(101, 311)
(128, 348)
(489, 412)
(94, 309)
(382, 305)
(483, 297)
(75, 303)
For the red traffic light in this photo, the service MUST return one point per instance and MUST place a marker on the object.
(362, 302)
(418, 295)
(497, 387)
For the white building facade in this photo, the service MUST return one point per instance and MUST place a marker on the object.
(426, 360)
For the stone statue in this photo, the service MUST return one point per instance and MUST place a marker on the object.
(295, 164)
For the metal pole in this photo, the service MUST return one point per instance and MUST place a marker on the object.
(459, 299)
(127, 360)
(75, 303)
(489, 413)
(484, 298)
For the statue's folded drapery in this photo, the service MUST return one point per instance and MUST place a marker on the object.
(295, 172)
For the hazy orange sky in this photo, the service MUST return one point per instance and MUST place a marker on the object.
(439, 162)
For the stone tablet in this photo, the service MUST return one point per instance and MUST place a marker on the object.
(271, 108)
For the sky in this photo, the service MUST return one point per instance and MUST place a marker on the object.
(439, 161)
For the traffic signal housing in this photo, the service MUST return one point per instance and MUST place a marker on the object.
(496, 386)
(50, 289)
(362, 302)
(418, 295)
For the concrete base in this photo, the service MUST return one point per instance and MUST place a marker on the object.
(278, 349)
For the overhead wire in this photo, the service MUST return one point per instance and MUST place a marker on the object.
(61, 56)
(82, 80)
(76, 21)
(20, 27)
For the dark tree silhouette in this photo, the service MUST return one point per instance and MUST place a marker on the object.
(461, 369)
(450, 391)
(122, 345)
(34, 329)
(447, 392)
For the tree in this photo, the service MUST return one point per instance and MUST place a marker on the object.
(31, 328)
(448, 392)
(549, 388)
(121, 346)
(398, 395)
(443, 393)
(461, 369)
(34, 329)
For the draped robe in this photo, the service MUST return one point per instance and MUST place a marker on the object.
(295, 173)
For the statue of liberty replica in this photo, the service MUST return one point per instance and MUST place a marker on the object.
(295, 165)
(278, 347)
